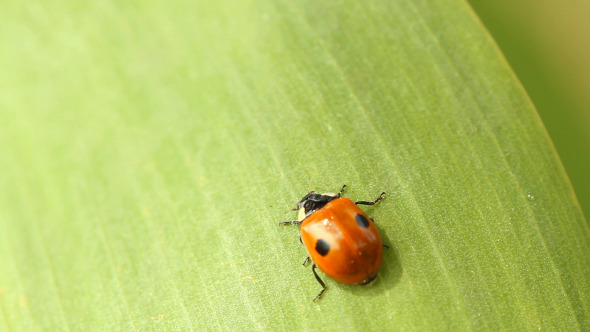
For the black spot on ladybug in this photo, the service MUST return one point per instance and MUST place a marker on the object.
(362, 220)
(322, 247)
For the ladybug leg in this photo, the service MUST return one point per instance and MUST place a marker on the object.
(320, 281)
(373, 202)
(296, 222)
(341, 191)
(306, 260)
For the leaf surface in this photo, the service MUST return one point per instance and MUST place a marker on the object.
(151, 148)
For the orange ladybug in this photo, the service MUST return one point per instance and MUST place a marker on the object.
(339, 237)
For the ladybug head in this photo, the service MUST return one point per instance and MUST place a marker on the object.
(314, 201)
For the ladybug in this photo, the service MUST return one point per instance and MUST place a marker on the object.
(339, 237)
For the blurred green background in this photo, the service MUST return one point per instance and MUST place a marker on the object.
(547, 43)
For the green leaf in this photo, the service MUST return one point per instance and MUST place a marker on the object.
(548, 47)
(151, 148)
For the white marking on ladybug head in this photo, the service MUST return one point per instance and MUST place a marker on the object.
(301, 214)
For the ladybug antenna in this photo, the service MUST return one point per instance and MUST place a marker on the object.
(308, 184)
